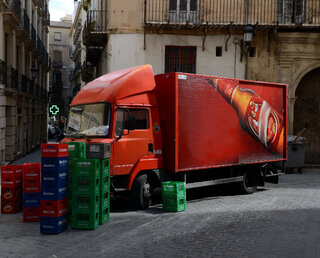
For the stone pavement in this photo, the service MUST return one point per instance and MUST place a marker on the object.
(277, 221)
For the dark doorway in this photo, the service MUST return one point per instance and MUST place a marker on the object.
(307, 111)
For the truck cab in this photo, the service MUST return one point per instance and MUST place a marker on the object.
(119, 111)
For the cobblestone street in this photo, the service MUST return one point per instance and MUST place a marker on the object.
(277, 221)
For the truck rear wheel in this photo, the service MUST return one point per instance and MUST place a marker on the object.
(141, 192)
(249, 184)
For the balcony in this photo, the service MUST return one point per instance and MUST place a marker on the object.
(24, 30)
(12, 14)
(3, 72)
(13, 75)
(76, 51)
(298, 15)
(77, 32)
(38, 3)
(33, 35)
(95, 33)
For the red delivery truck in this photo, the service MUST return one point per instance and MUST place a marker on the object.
(199, 129)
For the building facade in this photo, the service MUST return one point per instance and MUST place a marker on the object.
(60, 90)
(209, 37)
(24, 66)
(77, 51)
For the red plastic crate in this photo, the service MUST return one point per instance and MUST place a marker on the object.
(31, 170)
(11, 176)
(54, 208)
(10, 207)
(32, 185)
(31, 214)
(54, 150)
(11, 194)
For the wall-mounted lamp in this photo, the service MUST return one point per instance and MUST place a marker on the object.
(248, 34)
(34, 72)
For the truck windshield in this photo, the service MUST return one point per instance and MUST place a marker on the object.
(89, 120)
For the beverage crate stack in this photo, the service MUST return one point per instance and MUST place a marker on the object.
(54, 201)
(174, 196)
(104, 210)
(86, 181)
(11, 189)
(90, 193)
(31, 191)
(76, 150)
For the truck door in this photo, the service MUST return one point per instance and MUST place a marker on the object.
(133, 127)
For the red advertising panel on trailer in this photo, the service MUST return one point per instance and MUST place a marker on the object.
(211, 122)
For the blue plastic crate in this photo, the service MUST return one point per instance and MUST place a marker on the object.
(31, 200)
(50, 190)
(54, 176)
(53, 225)
(54, 164)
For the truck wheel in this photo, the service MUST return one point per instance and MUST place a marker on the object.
(249, 183)
(141, 192)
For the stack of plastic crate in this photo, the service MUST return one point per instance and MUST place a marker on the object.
(86, 198)
(11, 189)
(76, 150)
(174, 196)
(31, 191)
(105, 192)
(54, 202)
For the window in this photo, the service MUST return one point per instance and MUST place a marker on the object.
(291, 11)
(180, 59)
(181, 11)
(56, 78)
(218, 51)
(131, 119)
(252, 51)
(57, 36)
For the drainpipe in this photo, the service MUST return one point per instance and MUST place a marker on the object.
(246, 23)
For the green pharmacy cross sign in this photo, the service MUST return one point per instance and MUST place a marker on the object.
(54, 109)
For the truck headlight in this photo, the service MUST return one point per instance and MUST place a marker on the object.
(98, 150)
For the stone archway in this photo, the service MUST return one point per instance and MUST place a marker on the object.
(307, 111)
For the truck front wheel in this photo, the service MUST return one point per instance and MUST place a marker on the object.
(141, 192)
(249, 183)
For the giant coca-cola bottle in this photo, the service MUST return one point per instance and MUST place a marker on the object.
(256, 115)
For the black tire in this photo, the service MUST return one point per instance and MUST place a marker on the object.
(141, 192)
(249, 184)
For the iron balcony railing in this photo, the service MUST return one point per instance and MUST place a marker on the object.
(76, 50)
(26, 21)
(219, 13)
(13, 78)
(15, 5)
(3, 72)
(77, 32)
(24, 83)
(95, 29)
(33, 35)
(39, 44)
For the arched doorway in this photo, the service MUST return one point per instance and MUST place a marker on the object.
(307, 111)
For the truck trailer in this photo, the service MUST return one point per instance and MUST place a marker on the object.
(203, 130)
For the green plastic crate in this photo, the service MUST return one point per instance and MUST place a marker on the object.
(173, 188)
(71, 166)
(174, 204)
(85, 185)
(77, 150)
(85, 202)
(87, 167)
(105, 198)
(105, 166)
(104, 214)
(85, 219)
(105, 183)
